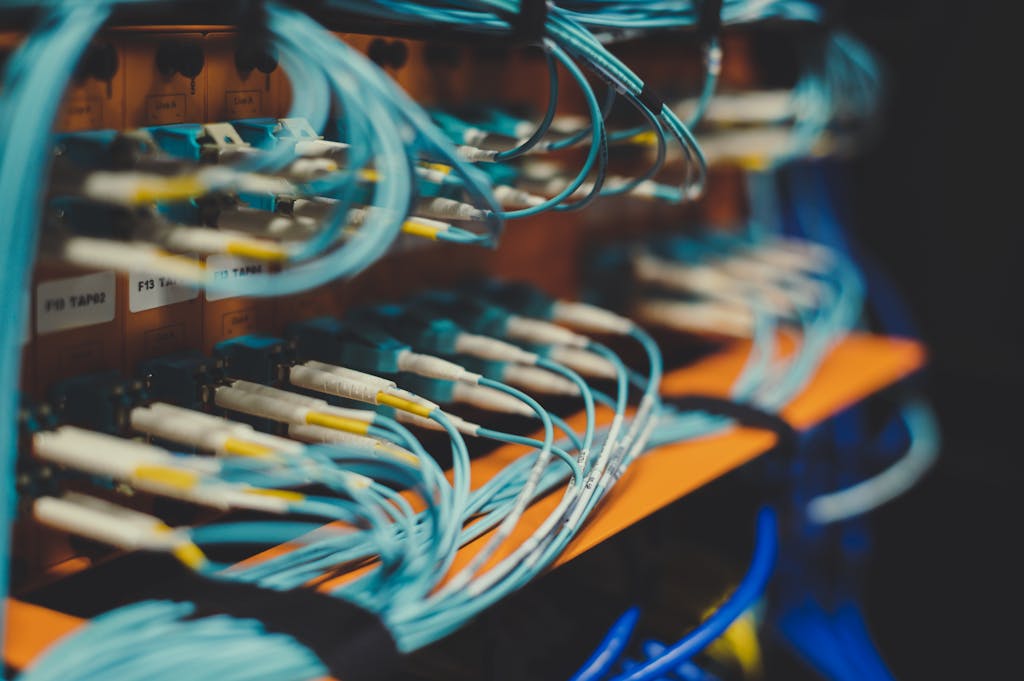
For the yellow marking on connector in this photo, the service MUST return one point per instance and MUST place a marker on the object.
(369, 174)
(439, 167)
(169, 477)
(247, 249)
(286, 494)
(404, 405)
(183, 259)
(420, 229)
(647, 138)
(242, 448)
(753, 163)
(190, 555)
(359, 481)
(170, 189)
(399, 454)
(316, 418)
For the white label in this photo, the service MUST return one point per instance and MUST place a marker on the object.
(230, 268)
(70, 303)
(148, 291)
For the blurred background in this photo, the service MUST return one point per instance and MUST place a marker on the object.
(935, 204)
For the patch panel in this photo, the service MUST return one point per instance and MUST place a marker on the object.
(241, 337)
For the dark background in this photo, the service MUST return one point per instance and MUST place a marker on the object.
(936, 202)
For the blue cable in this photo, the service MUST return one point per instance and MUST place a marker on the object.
(746, 594)
(610, 649)
(34, 82)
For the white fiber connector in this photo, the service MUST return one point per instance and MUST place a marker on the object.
(107, 523)
(462, 425)
(207, 432)
(317, 148)
(788, 290)
(441, 208)
(432, 174)
(201, 417)
(583, 362)
(538, 170)
(486, 347)
(679, 277)
(412, 397)
(539, 380)
(269, 224)
(567, 124)
(511, 197)
(418, 421)
(708, 280)
(152, 469)
(225, 178)
(130, 257)
(699, 317)
(490, 399)
(434, 367)
(590, 318)
(476, 154)
(306, 169)
(180, 428)
(212, 241)
(134, 188)
(427, 222)
(279, 444)
(240, 497)
(320, 207)
(332, 384)
(764, 107)
(360, 376)
(544, 333)
(319, 435)
(364, 415)
(106, 454)
(816, 256)
(474, 137)
(227, 397)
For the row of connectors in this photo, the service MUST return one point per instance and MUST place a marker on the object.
(331, 382)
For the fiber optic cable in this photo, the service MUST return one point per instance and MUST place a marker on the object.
(33, 83)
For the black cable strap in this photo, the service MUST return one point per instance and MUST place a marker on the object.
(529, 24)
(788, 439)
(353, 643)
(709, 19)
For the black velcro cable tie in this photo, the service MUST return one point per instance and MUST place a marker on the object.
(788, 439)
(529, 24)
(709, 19)
(353, 643)
(651, 100)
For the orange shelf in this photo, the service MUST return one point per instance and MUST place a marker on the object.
(856, 368)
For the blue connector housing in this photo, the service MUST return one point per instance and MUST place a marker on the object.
(472, 314)
(518, 297)
(357, 346)
(424, 333)
(184, 379)
(254, 358)
(180, 140)
(99, 401)
(91, 149)
(259, 132)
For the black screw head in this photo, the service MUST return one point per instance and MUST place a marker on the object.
(180, 57)
(250, 56)
(103, 61)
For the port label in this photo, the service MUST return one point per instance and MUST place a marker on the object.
(227, 268)
(71, 303)
(150, 291)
